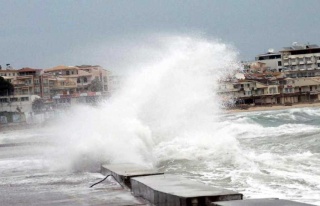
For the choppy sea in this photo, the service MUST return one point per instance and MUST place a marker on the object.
(275, 154)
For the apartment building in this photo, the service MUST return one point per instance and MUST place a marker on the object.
(98, 73)
(301, 60)
(77, 79)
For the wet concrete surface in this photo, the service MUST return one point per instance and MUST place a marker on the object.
(26, 178)
(260, 202)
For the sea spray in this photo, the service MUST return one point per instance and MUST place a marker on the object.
(166, 109)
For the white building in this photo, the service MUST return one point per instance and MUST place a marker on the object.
(301, 60)
(17, 103)
(271, 60)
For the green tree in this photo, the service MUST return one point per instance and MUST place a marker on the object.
(37, 105)
(95, 86)
(6, 88)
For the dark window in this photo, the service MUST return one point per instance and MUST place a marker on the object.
(279, 63)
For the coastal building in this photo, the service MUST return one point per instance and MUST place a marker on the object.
(78, 79)
(301, 60)
(99, 74)
(8, 73)
(271, 60)
(17, 103)
(286, 77)
(77, 84)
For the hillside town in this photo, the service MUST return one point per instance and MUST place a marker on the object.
(287, 77)
(43, 91)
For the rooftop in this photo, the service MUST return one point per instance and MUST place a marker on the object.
(296, 47)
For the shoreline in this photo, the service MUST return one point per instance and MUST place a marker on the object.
(274, 107)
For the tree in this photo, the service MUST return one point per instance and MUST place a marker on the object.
(37, 105)
(95, 86)
(6, 88)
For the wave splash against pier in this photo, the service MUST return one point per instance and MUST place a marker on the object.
(166, 109)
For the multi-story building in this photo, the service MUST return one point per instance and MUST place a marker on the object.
(272, 61)
(301, 60)
(77, 79)
(98, 73)
(8, 74)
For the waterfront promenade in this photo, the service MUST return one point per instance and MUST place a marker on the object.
(28, 178)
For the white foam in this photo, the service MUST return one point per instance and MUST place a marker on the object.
(166, 109)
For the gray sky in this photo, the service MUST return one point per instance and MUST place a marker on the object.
(46, 33)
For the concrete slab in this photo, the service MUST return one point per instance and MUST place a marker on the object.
(259, 202)
(124, 172)
(174, 190)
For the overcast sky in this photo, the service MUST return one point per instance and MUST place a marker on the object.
(46, 33)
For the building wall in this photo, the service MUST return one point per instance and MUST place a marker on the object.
(301, 61)
(10, 103)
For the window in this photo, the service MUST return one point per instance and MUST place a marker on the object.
(272, 90)
(24, 99)
(3, 100)
(14, 99)
(279, 63)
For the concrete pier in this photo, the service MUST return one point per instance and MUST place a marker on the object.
(260, 202)
(174, 190)
(124, 172)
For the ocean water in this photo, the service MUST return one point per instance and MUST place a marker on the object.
(274, 154)
(278, 155)
(167, 115)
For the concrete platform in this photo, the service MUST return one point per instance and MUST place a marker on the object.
(260, 202)
(174, 190)
(124, 172)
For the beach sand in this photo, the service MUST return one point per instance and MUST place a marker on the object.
(274, 107)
